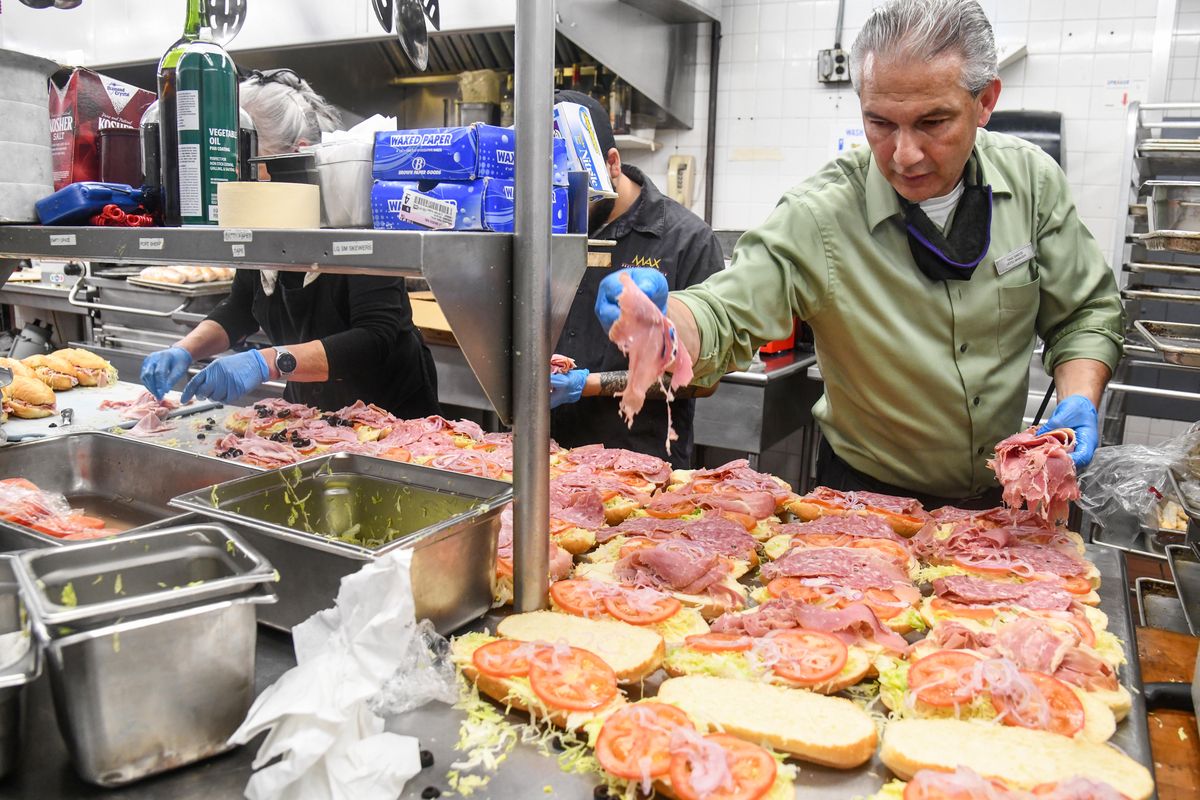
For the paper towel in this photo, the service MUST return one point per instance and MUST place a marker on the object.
(329, 742)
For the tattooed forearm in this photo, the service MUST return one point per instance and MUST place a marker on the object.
(613, 382)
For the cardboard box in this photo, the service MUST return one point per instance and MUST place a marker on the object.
(82, 103)
(486, 204)
(574, 123)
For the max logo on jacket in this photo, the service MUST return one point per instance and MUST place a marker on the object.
(643, 261)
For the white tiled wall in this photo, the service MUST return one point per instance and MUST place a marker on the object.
(776, 123)
(1153, 432)
(1183, 76)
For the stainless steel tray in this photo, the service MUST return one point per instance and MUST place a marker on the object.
(450, 521)
(151, 571)
(526, 772)
(20, 664)
(1173, 205)
(1163, 293)
(1187, 501)
(1185, 572)
(1169, 269)
(125, 481)
(1158, 605)
(1176, 342)
(1172, 241)
(185, 289)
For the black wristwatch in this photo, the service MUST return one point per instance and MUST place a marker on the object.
(285, 362)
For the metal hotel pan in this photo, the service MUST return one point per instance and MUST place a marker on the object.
(150, 645)
(127, 482)
(449, 521)
(20, 663)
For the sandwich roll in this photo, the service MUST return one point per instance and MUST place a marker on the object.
(1021, 757)
(18, 368)
(631, 651)
(28, 398)
(54, 371)
(824, 730)
(90, 369)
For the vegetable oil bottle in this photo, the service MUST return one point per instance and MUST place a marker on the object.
(167, 142)
(207, 122)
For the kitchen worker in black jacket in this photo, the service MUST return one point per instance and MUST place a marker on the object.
(651, 230)
(335, 338)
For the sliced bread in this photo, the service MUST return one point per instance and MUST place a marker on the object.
(632, 652)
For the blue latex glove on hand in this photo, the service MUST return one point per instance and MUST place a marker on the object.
(227, 379)
(649, 280)
(567, 388)
(1077, 413)
(162, 370)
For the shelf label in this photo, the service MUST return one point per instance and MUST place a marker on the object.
(237, 235)
(150, 243)
(62, 240)
(239, 250)
(363, 248)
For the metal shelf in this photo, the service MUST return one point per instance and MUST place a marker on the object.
(470, 273)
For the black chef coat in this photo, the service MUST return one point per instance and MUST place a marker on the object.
(655, 232)
(365, 322)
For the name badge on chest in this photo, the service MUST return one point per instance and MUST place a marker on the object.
(1014, 259)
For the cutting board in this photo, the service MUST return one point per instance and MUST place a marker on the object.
(85, 401)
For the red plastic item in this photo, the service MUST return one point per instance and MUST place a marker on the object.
(113, 216)
(780, 345)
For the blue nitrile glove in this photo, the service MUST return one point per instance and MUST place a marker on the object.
(227, 379)
(567, 388)
(162, 370)
(1077, 413)
(649, 280)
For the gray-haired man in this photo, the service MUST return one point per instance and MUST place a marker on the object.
(925, 266)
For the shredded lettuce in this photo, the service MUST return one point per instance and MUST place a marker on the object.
(1110, 647)
(609, 551)
(686, 622)
(930, 573)
(892, 790)
(893, 691)
(68, 597)
(912, 618)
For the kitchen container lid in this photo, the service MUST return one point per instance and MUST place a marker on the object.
(20, 660)
(140, 573)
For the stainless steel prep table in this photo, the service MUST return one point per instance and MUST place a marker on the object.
(44, 771)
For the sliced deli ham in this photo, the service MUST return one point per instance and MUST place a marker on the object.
(854, 525)
(853, 624)
(756, 505)
(1037, 472)
(675, 566)
(847, 567)
(619, 460)
(1035, 595)
(647, 338)
(561, 365)
(711, 533)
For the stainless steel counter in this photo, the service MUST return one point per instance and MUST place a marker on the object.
(45, 771)
(39, 295)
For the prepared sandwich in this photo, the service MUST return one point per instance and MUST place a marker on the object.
(904, 514)
(90, 369)
(632, 652)
(18, 367)
(54, 371)
(663, 751)
(1020, 757)
(643, 607)
(1041, 644)
(824, 730)
(710, 532)
(28, 398)
(846, 530)
(697, 578)
(182, 275)
(754, 510)
(642, 471)
(734, 478)
(834, 577)
(934, 784)
(987, 602)
(961, 684)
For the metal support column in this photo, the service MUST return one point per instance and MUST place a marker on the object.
(531, 303)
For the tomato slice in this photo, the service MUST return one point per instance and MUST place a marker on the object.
(819, 539)
(950, 608)
(884, 603)
(583, 598)
(628, 607)
(504, 658)
(982, 566)
(719, 642)
(751, 771)
(808, 657)
(795, 589)
(575, 680)
(937, 678)
(1064, 711)
(1090, 792)
(745, 520)
(1077, 585)
(893, 550)
(638, 738)
(397, 454)
(638, 543)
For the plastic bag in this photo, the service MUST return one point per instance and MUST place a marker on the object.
(22, 502)
(1131, 479)
(425, 673)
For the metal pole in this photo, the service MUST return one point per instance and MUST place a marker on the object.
(531, 303)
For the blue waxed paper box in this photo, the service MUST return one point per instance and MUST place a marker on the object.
(439, 154)
(484, 204)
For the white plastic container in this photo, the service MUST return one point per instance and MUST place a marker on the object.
(344, 173)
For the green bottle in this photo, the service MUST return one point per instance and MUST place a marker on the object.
(207, 121)
(167, 142)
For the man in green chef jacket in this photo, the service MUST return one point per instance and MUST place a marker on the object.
(927, 266)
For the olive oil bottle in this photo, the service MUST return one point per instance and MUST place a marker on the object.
(167, 140)
(206, 122)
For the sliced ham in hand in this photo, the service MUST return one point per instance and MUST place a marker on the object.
(1037, 472)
